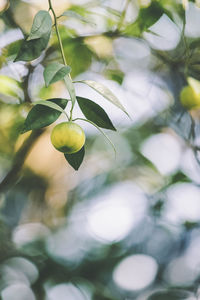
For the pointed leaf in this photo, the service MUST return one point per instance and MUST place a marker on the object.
(10, 86)
(75, 159)
(105, 92)
(55, 72)
(50, 104)
(32, 49)
(76, 15)
(42, 24)
(108, 139)
(41, 116)
(95, 113)
(71, 89)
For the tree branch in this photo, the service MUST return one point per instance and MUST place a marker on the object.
(19, 159)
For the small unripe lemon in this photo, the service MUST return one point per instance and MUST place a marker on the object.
(189, 98)
(68, 137)
(190, 94)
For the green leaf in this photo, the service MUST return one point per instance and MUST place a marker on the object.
(95, 113)
(41, 116)
(115, 75)
(12, 49)
(108, 139)
(49, 104)
(42, 24)
(79, 56)
(71, 89)
(146, 18)
(32, 49)
(55, 72)
(80, 15)
(75, 159)
(10, 87)
(105, 92)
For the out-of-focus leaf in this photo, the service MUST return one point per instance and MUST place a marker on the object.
(42, 24)
(79, 12)
(147, 17)
(10, 51)
(172, 295)
(95, 113)
(79, 56)
(11, 119)
(115, 75)
(10, 86)
(75, 159)
(41, 116)
(55, 72)
(102, 132)
(105, 92)
(46, 92)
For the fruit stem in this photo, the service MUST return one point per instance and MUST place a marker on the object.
(68, 79)
(187, 50)
(102, 132)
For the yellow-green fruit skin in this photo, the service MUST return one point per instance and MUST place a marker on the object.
(189, 98)
(68, 137)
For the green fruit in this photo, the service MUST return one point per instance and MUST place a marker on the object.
(68, 137)
(9, 86)
(190, 94)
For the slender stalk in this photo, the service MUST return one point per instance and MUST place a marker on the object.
(100, 131)
(187, 50)
(123, 15)
(68, 79)
(57, 33)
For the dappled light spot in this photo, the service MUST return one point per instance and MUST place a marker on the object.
(160, 243)
(165, 34)
(135, 272)
(110, 222)
(67, 245)
(183, 203)
(65, 291)
(164, 151)
(192, 256)
(25, 266)
(190, 166)
(17, 291)
(180, 273)
(30, 232)
(116, 212)
(131, 51)
(147, 96)
(192, 28)
(10, 276)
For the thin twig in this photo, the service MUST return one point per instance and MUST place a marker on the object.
(70, 86)
(57, 33)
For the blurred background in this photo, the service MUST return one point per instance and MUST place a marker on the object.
(124, 228)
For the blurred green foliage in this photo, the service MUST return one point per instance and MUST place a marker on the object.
(46, 209)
